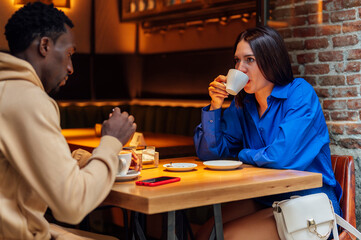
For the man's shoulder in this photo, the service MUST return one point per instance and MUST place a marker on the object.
(24, 95)
(25, 90)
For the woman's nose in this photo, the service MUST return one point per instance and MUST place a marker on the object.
(241, 67)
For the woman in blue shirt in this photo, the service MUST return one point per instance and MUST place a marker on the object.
(276, 121)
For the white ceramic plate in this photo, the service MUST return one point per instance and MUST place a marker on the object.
(132, 174)
(222, 164)
(180, 167)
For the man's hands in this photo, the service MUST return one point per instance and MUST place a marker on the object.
(119, 125)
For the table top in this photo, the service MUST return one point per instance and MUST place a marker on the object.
(203, 186)
(168, 145)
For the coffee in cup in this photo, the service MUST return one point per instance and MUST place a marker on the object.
(236, 80)
(125, 158)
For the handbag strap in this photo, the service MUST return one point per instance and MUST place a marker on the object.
(334, 230)
(343, 223)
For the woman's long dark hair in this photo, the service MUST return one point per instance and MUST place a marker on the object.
(271, 56)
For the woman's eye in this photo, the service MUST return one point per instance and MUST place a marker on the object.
(250, 60)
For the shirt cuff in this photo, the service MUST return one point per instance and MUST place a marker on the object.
(255, 157)
(247, 155)
(211, 119)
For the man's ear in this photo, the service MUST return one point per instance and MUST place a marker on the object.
(44, 46)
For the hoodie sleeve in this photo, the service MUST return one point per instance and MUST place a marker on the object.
(38, 151)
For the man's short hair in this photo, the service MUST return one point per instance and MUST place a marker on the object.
(32, 21)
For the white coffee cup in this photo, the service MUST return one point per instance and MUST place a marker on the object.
(236, 80)
(125, 158)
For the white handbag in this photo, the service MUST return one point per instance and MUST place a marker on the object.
(309, 217)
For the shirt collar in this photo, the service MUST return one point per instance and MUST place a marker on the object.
(280, 91)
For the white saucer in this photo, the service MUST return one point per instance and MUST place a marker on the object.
(180, 167)
(132, 174)
(222, 164)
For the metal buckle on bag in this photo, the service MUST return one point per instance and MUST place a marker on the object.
(312, 227)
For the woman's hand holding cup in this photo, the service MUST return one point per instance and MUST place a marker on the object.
(217, 91)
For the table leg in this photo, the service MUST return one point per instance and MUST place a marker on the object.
(217, 231)
(171, 231)
(187, 229)
(171, 226)
(138, 229)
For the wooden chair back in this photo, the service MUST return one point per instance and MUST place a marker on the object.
(344, 169)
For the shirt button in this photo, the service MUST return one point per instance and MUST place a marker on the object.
(261, 129)
(211, 121)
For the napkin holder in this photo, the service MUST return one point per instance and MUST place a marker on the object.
(149, 157)
(147, 154)
(137, 140)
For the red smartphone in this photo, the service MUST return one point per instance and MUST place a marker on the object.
(157, 181)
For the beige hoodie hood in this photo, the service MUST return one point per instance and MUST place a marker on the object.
(13, 68)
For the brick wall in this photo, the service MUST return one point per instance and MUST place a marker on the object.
(324, 43)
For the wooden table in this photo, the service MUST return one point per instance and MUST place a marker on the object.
(168, 145)
(202, 186)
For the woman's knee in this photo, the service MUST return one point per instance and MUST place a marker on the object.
(258, 226)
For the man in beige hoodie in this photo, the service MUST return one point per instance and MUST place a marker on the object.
(37, 169)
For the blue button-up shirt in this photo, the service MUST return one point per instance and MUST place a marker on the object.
(291, 134)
